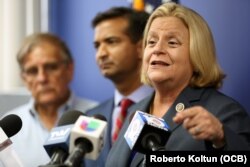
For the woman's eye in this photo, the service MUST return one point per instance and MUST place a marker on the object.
(173, 43)
(150, 42)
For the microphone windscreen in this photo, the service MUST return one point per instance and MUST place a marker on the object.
(69, 117)
(100, 117)
(11, 124)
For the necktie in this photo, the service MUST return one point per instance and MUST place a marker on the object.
(125, 103)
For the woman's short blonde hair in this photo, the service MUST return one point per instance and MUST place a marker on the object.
(207, 72)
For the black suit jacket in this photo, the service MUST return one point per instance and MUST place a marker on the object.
(235, 119)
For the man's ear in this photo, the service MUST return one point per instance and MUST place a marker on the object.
(70, 70)
(22, 75)
(24, 79)
(139, 49)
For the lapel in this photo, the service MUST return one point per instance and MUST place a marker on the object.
(108, 110)
(188, 97)
(144, 106)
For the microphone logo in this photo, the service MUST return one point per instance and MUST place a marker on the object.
(59, 133)
(146, 132)
(156, 122)
(88, 132)
(132, 133)
(89, 125)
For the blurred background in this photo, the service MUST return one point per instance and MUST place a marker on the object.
(71, 20)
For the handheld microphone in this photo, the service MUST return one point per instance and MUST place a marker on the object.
(58, 141)
(147, 133)
(86, 139)
(9, 126)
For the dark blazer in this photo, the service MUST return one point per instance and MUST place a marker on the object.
(235, 119)
(106, 109)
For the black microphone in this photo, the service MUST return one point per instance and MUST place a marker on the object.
(57, 144)
(9, 126)
(86, 140)
(69, 117)
(100, 117)
(147, 133)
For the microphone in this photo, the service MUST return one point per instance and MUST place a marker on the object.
(9, 126)
(86, 139)
(100, 117)
(57, 143)
(147, 133)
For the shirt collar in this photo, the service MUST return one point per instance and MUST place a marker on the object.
(69, 103)
(135, 96)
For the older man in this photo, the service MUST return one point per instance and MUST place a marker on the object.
(47, 69)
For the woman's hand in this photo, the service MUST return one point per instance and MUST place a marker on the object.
(202, 125)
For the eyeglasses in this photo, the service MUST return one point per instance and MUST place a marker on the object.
(48, 68)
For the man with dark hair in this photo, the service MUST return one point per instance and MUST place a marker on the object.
(118, 43)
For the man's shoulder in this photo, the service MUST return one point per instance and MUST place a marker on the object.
(106, 105)
(84, 104)
(20, 110)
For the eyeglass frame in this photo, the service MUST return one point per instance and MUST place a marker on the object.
(49, 68)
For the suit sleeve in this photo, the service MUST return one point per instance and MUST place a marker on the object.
(236, 124)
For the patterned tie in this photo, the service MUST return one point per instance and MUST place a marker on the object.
(125, 103)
